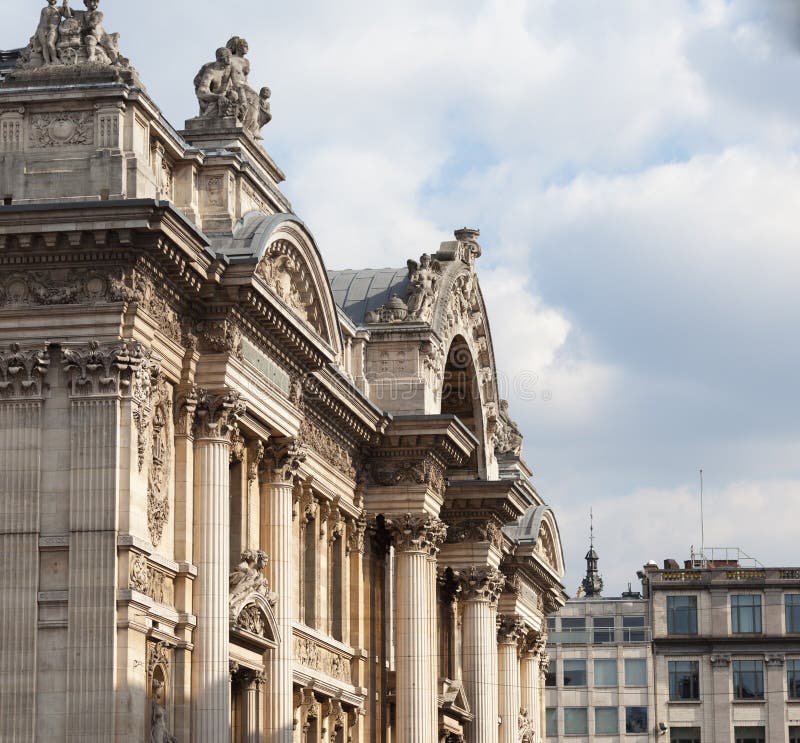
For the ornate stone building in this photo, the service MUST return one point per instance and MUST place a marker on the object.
(243, 499)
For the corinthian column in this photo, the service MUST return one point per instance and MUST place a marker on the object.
(480, 590)
(280, 461)
(509, 631)
(211, 705)
(529, 679)
(415, 538)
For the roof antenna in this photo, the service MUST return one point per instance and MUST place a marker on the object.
(702, 522)
(591, 527)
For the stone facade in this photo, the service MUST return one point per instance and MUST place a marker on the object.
(234, 507)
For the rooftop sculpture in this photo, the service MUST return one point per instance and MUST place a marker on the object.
(71, 37)
(223, 91)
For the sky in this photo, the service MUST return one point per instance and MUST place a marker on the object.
(634, 170)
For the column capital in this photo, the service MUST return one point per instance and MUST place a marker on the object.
(22, 372)
(124, 367)
(216, 414)
(185, 405)
(356, 528)
(480, 583)
(510, 629)
(282, 457)
(416, 532)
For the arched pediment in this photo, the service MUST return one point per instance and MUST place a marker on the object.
(255, 616)
(289, 268)
(538, 527)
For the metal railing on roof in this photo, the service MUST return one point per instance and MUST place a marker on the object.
(722, 557)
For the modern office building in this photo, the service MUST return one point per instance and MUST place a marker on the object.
(726, 645)
(598, 683)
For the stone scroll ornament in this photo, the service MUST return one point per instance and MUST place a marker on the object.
(223, 91)
(71, 37)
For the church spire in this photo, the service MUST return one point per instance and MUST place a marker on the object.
(592, 584)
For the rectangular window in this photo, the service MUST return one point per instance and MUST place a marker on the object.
(605, 672)
(746, 614)
(551, 722)
(603, 629)
(684, 735)
(573, 629)
(635, 672)
(576, 721)
(606, 721)
(794, 734)
(793, 678)
(792, 613)
(682, 615)
(748, 679)
(633, 629)
(551, 624)
(574, 673)
(749, 735)
(550, 674)
(635, 719)
(684, 680)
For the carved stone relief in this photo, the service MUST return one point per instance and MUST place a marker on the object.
(244, 583)
(160, 470)
(391, 472)
(507, 438)
(328, 448)
(475, 530)
(149, 580)
(312, 655)
(103, 370)
(62, 129)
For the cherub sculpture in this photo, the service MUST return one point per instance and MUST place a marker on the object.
(47, 30)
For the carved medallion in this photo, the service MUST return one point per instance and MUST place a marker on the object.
(60, 129)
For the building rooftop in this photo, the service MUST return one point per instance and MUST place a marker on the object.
(357, 292)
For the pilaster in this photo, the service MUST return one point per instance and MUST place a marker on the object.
(99, 377)
(214, 418)
(510, 630)
(21, 398)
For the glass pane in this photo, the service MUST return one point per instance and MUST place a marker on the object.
(633, 629)
(793, 612)
(684, 735)
(793, 678)
(576, 721)
(550, 677)
(605, 672)
(749, 735)
(635, 672)
(574, 673)
(606, 721)
(551, 721)
(748, 679)
(603, 629)
(682, 615)
(635, 719)
(794, 734)
(573, 623)
(684, 679)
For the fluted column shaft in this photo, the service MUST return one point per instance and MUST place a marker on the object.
(529, 680)
(509, 691)
(480, 590)
(416, 538)
(211, 702)
(276, 538)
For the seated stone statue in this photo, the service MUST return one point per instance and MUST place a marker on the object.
(222, 89)
(95, 35)
(214, 88)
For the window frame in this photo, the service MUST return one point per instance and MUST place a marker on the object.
(585, 711)
(645, 728)
(695, 734)
(550, 715)
(676, 677)
(604, 633)
(616, 672)
(625, 662)
(760, 739)
(793, 678)
(675, 612)
(791, 609)
(744, 609)
(615, 731)
(629, 630)
(738, 672)
(564, 662)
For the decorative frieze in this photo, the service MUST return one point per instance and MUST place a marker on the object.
(313, 655)
(22, 372)
(475, 530)
(328, 448)
(220, 336)
(149, 580)
(417, 472)
(417, 533)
